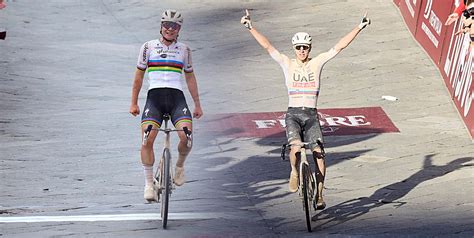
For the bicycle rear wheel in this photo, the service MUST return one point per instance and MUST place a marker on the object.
(166, 186)
(306, 190)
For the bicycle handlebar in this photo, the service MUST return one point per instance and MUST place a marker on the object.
(146, 133)
(185, 129)
(303, 145)
(188, 133)
(188, 136)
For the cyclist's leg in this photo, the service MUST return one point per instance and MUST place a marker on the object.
(183, 148)
(147, 154)
(181, 117)
(148, 159)
(313, 133)
(293, 130)
(151, 116)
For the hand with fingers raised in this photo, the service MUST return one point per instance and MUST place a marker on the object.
(364, 22)
(246, 20)
(451, 18)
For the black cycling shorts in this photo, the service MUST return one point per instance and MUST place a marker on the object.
(165, 100)
(303, 124)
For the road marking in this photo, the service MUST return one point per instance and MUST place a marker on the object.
(112, 217)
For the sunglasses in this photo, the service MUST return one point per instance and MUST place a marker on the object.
(170, 24)
(299, 47)
(468, 12)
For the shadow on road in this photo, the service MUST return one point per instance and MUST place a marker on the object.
(267, 166)
(263, 177)
(390, 194)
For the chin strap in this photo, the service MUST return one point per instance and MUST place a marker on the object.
(164, 38)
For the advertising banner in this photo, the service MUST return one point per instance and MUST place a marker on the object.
(410, 10)
(450, 52)
(430, 30)
(340, 121)
(456, 67)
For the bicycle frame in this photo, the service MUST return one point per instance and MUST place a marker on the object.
(164, 171)
(303, 149)
(307, 183)
(166, 144)
(303, 161)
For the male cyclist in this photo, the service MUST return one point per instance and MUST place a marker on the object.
(166, 60)
(302, 77)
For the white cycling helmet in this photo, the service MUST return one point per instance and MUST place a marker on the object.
(301, 38)
(172, 16)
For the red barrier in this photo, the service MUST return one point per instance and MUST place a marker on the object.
(450, 52)
(431, 30)
(410, 10)
(457, 71)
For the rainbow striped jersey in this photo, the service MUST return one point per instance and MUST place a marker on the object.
(165, 64)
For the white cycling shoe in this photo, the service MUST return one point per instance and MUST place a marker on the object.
(150, 194)
(179, 176)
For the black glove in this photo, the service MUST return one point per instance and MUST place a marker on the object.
(364, 22)
(246, 20)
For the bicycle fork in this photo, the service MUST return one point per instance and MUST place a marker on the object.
(311, 184)
(160, 182)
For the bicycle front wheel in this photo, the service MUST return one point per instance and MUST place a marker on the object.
(306, 190)
(166, 186)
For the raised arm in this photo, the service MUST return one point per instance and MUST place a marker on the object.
(456, 14)
(261, 39)
(347, 39)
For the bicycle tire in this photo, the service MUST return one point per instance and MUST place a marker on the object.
(314, 181)
(166, 187)
(306, 195)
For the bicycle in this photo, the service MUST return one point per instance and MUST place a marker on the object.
(163, 177)
(307, 181)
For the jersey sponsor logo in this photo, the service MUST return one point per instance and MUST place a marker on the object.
(146, 111)
(185, 111)
(303, 85)
(302, 77)
(169, 51)
(145, 49)
(163, 55)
